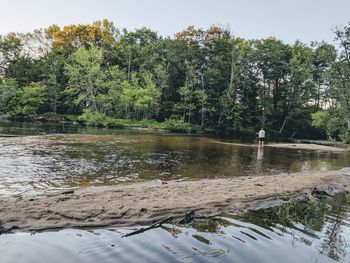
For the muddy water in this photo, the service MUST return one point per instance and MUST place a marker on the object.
(39, 163)
(295, 232)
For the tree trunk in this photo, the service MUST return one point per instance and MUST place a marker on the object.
(202, 117)
(129, 65)
(284, 123)
(275, 97)
(232, 76)
(318, 96)
(202, 113)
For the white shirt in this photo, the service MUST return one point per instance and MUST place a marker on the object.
(261, 134)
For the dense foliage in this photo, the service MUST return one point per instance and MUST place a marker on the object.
(208, 78)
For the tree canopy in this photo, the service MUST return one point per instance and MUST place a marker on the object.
(204, 77)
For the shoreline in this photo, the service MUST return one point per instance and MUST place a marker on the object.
(145, 203)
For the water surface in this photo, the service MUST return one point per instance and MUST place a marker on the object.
(295, 232)
(32, 164)
(51, 157)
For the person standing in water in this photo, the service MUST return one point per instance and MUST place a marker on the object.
(261, 138)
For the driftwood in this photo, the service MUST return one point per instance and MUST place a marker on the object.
(188, 218)
(155, 225)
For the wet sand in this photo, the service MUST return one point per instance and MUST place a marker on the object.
(144, 203)
(297, 146)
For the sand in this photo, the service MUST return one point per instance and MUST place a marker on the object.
(144, 203)
(297, 146)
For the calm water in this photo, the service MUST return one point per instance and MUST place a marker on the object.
(290, 234)
(56, 157)
(48, 162)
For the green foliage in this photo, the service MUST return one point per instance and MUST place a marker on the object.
(320, 119)
(207, 78)
(175, 125)
(85, 77)
(30, 99)
(71, 117)
(345, 137)
(8, 96)
(94, 118)
(21, 102)
(139, 97)
(331, 124)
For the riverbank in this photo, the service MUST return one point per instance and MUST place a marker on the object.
(144, 203)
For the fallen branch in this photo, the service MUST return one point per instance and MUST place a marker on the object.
(188, 218)
(155, 225)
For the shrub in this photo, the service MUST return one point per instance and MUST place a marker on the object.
(175, 125)
(330, 123)
(345, 137)
(71, 117)
(94, 118)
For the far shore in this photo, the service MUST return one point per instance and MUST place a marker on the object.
(145, 203)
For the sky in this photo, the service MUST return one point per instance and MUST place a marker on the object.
(289, 20)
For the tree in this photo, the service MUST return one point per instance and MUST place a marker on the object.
(208, 77)
(328, 122)
(72, 37)
(8, 96)
(85, 78)
(30, 99)
(10, 49)
(188, 92)
(324, 57)
(273, 64)
(139, 97)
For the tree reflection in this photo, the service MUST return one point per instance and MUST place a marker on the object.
(333, 242)
(323, 220)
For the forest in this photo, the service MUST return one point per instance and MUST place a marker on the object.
(199, 80)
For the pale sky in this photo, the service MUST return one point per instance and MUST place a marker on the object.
(306, 20)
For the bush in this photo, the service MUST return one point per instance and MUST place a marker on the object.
(175, 125)
(345, 137)
(51, 116)
(247, 132)
(328, 122)
(71, 117)
(94, 118)
(110, 122)
(97, 119)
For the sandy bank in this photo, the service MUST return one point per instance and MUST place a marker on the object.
(297, 146)
(147, 202)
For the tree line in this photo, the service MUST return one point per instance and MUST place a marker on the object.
(209, 79)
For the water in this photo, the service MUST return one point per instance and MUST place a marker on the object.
(50, 162)
(53, 157)
(296, 232)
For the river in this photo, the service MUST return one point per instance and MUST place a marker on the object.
(55, 157)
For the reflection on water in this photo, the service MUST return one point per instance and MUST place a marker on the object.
(32, 164)
(295, 232)
(259, 159)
